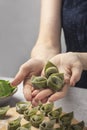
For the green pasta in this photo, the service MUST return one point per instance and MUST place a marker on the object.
(55, 83)
(45, 117)
(50, 68)
(66, 119)
(36, 120)
(22, 106)
(39, 82)
(55, 114)
(14, 124)
(3, 111)
(46, 108)
(26, 126)
(47, 125)
(29, 113)
(52, 79)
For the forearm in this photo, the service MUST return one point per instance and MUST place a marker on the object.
(48, 42)
(83, 59)
(50, 22)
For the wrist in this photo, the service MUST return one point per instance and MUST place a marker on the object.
(44, 51)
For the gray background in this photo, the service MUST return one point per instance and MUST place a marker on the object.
(19, 25)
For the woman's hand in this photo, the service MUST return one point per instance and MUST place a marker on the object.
(41, 53)
(69, 64)
(29, 68)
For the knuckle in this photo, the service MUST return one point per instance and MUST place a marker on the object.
(22, 67)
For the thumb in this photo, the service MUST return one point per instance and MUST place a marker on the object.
(76, 75)
(22, 73)
(32, 66)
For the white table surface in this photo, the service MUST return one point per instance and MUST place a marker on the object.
(76, 101)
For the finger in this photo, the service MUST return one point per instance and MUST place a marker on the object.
(67, 78)
(43, 94)
(28, 68)
(67, 73)
(35, 92)
(76, 75)
(35, 103)
(27, 87)
(44, 100)
(22, 73)
(27, 92)
(32, 89)
(58, 95)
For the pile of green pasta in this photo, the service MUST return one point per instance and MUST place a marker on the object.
(52, 78)
(43, 117)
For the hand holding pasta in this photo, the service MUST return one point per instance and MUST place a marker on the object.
(52, 79)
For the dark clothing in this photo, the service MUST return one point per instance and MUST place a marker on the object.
(74, 23)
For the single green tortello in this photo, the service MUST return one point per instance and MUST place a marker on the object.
(29, 113)
(55, 114)
(39, 82)
(37, 119)
(66, 119)
(50, 68)
(14, 124)
(47, 125)
(46, 108)
(54, 82)
(3, 111)
(22, 106)
(26, 126)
